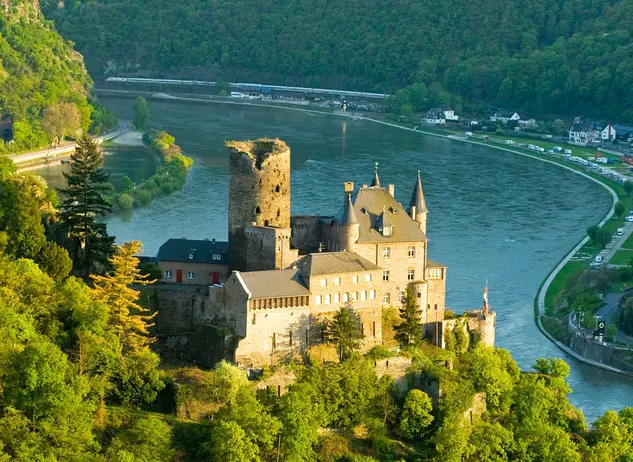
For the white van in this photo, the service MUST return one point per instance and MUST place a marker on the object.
(567, 151)
(619, 232)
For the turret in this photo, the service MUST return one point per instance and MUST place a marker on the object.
(376, 181)
(417, 206)
(349, 227)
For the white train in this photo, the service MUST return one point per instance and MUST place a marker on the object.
(253, 87)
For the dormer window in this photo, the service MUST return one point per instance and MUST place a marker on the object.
(386, 230)
(191, 253)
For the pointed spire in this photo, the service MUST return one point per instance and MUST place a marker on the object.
(417, 198)
(349, 216)
(376, 180)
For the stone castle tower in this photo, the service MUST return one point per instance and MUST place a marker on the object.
(259, 204)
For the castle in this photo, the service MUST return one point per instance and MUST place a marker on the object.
(285, 276)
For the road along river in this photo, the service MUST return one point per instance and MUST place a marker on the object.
(494, 215)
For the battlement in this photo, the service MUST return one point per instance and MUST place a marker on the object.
(259, 150)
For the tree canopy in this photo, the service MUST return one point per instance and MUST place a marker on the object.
(540, 56)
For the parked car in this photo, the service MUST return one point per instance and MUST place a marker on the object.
(567, 151)
(619, 232)
(598, 259)
(629, 218)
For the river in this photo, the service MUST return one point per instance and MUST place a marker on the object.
(493, 215)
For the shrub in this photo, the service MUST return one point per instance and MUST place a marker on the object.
(126, 201)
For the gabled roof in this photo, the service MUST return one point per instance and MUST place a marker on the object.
(622, 130)
(202, 251)
(435, 112)
(417, 198)
(368, 205)
(317, 264)
(273, 283)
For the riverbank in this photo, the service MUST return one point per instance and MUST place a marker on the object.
(55, 154)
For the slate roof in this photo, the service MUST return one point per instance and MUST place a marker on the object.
(317, 264)
(417, 198)
(433, 264)
(368, 205)
(349, 216)
(273, 283)
(435, 113)
(622, 130)
(202, 251)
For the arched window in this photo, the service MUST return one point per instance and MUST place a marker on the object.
(277, 189)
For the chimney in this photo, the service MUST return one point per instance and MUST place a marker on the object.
(412, 212)
(364, 186)
(349, 190)
(392, 189)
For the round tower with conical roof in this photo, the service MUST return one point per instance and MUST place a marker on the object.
(417, 206)
(349, 226)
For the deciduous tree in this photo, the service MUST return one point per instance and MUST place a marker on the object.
(416, 414)
(141, 114)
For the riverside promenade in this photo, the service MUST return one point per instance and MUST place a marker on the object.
(52, 153)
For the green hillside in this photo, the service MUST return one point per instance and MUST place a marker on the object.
(38, 71)
(543, 56)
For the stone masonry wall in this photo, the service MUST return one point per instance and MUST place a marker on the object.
(306, 234)
(203, 272)
(259, 191)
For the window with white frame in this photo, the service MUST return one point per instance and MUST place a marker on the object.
(386, 298)
(167, 274)
(217, 256)
(385, 276)
(368, 278)
(317, 300)
(346, 297)
(372, 294)
(354, 296)
(410, 274)
(323, 282)
(435, 273)
(337, 281)
(411, 251)
(328, 299)
(401, 296)
(355, 279)
(363, 295)
(386, 252)
(337, 298)
(191, 275)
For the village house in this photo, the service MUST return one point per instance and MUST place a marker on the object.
(504, 117)
(449, 114)
(187, 261)
(582, 134)
(434, 116)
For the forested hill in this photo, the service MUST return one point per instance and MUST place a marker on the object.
(539, 55)
(39, 71)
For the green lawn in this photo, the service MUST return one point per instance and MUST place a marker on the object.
(559, 282)
(622, 257)
(628, 244)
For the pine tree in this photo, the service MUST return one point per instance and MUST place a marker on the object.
(129, 321)
(345, 332)
(409, 331)
(87, 240)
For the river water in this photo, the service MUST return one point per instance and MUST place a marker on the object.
(494, 216)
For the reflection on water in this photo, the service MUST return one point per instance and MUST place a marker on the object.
(493, 215)
(136, 163)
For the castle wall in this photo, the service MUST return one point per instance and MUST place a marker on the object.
(259, 192)
(306, 234)
(398, 263)
(268, 248)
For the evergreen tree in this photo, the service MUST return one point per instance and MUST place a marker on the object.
(128, 319)
(141, 114)
(344, 331)
(409, 331)
(87, 240)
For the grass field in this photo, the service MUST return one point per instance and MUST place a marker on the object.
(622, 257)
(628, 244)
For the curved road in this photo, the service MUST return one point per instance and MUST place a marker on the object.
(124, 126)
